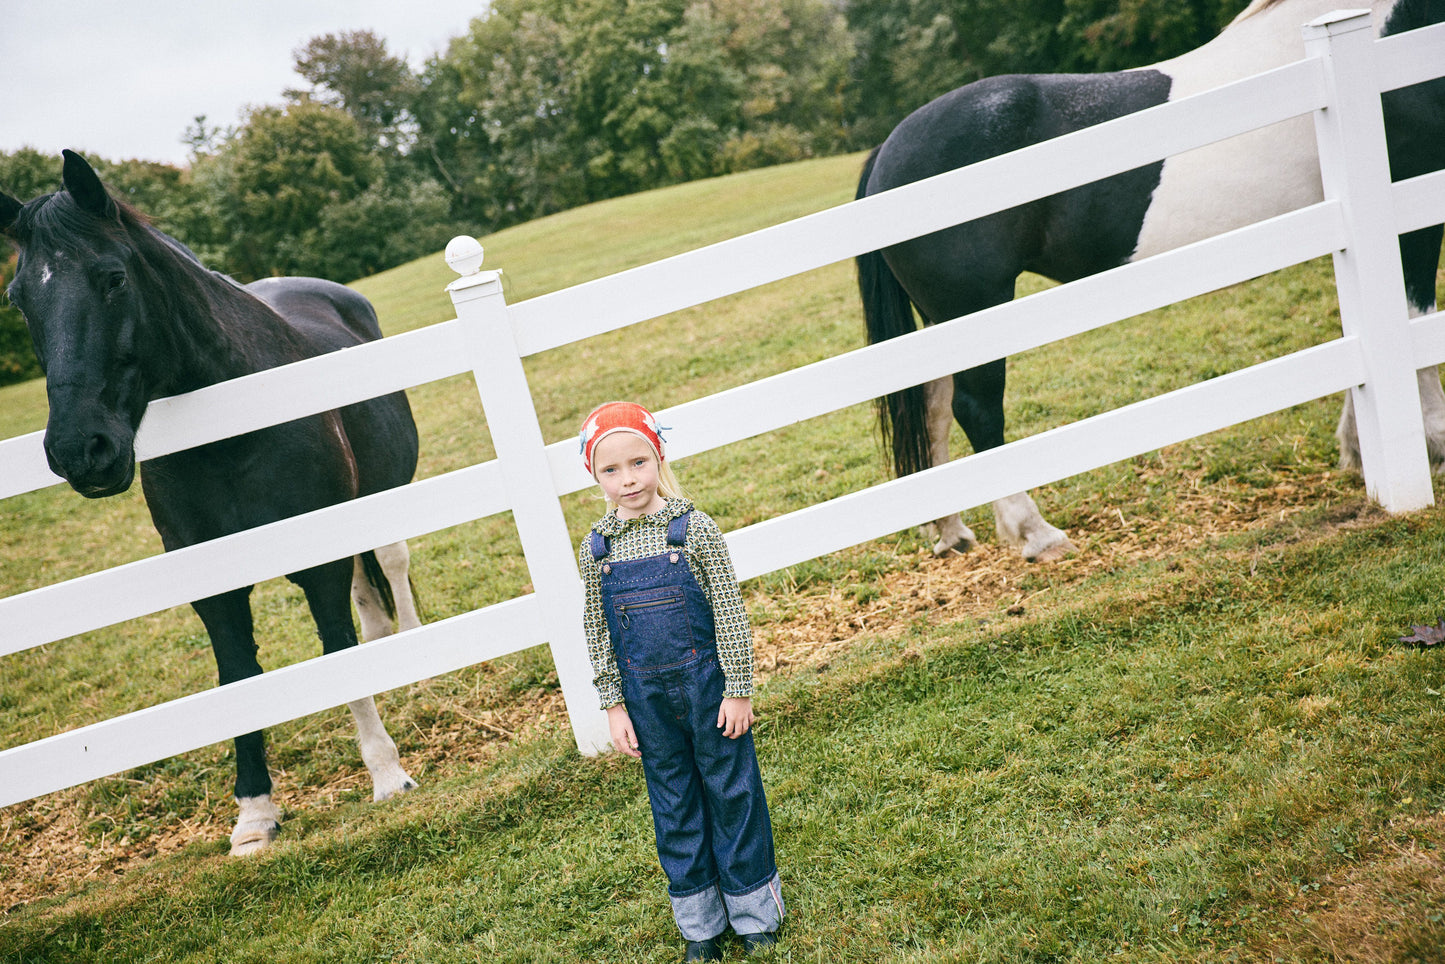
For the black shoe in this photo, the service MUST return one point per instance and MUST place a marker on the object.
(758, 943)
(708, 950)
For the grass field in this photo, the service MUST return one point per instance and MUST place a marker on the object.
(1199, 739)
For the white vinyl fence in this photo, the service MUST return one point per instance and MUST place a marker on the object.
(1377, 355)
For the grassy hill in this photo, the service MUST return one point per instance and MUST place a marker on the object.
(1197, 739)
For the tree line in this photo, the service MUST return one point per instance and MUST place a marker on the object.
(544, 105)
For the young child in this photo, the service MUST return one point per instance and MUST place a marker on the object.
(672, 650)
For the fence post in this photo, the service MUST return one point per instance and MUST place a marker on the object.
(1355, 167)
(527, 476)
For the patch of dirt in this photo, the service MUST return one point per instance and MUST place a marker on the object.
(47, 844)
(993, 580)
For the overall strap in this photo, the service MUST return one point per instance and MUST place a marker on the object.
(677, 529)
(598, 543)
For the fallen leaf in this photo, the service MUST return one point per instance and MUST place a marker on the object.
(1426, 635)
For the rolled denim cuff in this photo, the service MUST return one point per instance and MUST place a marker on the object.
(758, 911)
(701, 915)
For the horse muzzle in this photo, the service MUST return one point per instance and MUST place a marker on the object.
(94, 464)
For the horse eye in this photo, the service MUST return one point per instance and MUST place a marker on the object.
(115, 282)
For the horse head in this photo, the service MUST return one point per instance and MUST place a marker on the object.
(78, 283)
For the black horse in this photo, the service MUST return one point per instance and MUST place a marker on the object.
(1123, 218)
(121, 314)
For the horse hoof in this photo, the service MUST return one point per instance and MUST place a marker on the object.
(1053, 553)
(257, 825)
(251, 844)
(943, 550)
(251, 838)
(385, 790)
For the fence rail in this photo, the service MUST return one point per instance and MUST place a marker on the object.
(1379, 347)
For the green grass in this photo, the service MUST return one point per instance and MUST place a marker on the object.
(1169, 767)
(1175, 758)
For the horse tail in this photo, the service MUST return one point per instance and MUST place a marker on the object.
(888, 311)
(379, 582)
(375, 575)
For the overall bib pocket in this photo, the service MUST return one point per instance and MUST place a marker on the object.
(655, 629)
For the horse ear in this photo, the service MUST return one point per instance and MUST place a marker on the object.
(82, 183)
(9, 211)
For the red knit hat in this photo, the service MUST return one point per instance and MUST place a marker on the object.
(619, 417)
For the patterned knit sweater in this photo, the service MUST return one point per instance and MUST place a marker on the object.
(707, 554)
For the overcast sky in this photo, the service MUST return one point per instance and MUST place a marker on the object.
(125, 79)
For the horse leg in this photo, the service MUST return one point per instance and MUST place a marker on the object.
(978, 407)
(228, 623)
(326, 593)
(371, 609)
(1347, 433)
(1420, 259)
(376, 621)
(1432, 407)
(1432, 410)
(1021, 525)
(951, 534)
(395, 561)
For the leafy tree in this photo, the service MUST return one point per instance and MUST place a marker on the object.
(524, 98)
(17, 356)
(547, 104)
(204, 139)
(793, 59)
(911, 51)
(388, 224)
(27, 173)
(624, 106)
(354, 71)
(206, 221)
(285, 169)
(1118, 34)
(450, 142)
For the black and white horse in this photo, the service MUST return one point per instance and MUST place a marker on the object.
(1123, 218)
(121, 314)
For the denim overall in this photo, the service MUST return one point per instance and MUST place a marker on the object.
(714, 839)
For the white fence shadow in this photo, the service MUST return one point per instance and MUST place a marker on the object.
(1377, 355)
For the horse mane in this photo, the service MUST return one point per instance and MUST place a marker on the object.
(197, 318)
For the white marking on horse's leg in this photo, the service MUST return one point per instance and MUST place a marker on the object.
(378, 752)
(1432, 411)
(1347, 435)
(950, 533)
(375, 623)
(256, 825)
(1432, 408)
(1021, 525)
(395, 561)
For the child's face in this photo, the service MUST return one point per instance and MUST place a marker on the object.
(626, 468)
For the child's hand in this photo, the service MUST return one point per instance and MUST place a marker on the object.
(735, 716)
(624, 737)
